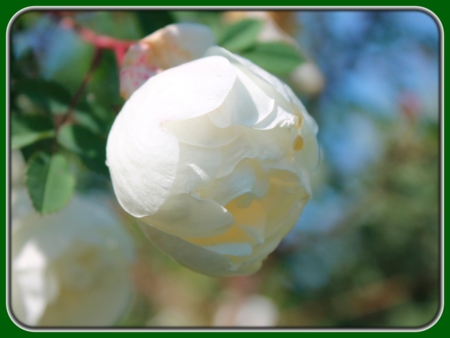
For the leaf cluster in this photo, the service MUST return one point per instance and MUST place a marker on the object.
(60, 129)
(276, 57)
(242, 37)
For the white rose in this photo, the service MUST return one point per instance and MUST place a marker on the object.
(71, 268)
(213, 158)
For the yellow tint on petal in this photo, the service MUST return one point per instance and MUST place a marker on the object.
(244, 201)
(277, 191)
(233, 235)
(300, 120)
(287, 207)
(298, 143)
(254, 215)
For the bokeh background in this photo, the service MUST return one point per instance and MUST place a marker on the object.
(365, 252)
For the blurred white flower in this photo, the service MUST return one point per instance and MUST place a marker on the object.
(168, 47)
(308, 78)
(213, 157)
(172, 317)
(253, 310)
(71, 268)
(17, 164)
(270, 31)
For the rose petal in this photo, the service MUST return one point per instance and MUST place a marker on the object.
(271, 85)
(248, 227)
(227, 188)
(246, 104)
(196, 168)
(287, 164)
(252, 219)
(285, 205)
(263, 145)
(179, 43)
(234, 249)
(168, 47)
(136, 139)
(284, 97)
(279, 118)
(272, 241)
(190, 90)
(309, 156)
(196, 257)
(135, 69)
(211, 136)
(188, 216)
(140, 183)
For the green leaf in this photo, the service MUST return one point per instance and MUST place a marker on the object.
(49, 181)
(46, 145)
(212, 19)
(116, 24)
(241, 35)
(104, 84)
(41, 90)
(276, 57)
(22, 140)
(88, 120)
(90, 147)
(150, 21)
(28, 129)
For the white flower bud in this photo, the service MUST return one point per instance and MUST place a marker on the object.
(213, 157)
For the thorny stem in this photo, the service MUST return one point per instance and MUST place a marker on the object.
(68, 117)
(73, 103)
(100, 43)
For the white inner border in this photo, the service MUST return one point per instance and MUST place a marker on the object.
(207, 329)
